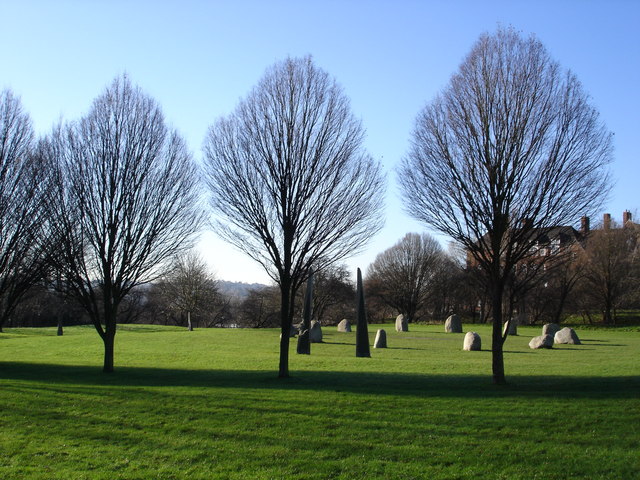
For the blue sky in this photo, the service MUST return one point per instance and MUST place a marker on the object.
(198, 58)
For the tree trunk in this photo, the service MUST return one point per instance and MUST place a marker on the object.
(497, 339)
(285, 329)
(109, 337)
(60, 330)
(109, 341)
(190, 326)
(606, 314)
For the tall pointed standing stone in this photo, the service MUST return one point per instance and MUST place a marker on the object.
(304, 344)
(362, 332)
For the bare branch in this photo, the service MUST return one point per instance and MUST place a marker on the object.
(126, 200)
(290, 182)
(509, 150)
(23, 227)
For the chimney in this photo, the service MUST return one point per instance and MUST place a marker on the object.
(584, 225)
(606, 221)
(626, 217)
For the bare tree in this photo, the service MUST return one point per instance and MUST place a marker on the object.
(125, 203)
(190, 288)
(333, 294)
(610, 269)
(509, 149)
(24, 180)
(260, 308)
(290, 182)
(402, 276)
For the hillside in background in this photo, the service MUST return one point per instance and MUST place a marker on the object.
(238, 290)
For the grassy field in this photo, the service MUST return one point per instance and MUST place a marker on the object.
(206, 405)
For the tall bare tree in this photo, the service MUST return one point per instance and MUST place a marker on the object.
(126, 201)
(610, 270)
(290, 182)
(509, 149)
(402, 276)
(24, 178)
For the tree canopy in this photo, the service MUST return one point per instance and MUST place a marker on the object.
(291, 184)
(511, 148)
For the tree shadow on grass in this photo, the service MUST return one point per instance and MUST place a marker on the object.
(428, 385)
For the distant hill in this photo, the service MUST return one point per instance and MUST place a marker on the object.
(238, 290)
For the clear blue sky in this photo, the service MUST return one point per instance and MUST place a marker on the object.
(198, 58)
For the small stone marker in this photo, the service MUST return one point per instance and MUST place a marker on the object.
(453, 324)
(304, 336)
(513, 327)
(294, 331)
(381, 339)
(315, 332)
(567, 335)
(550, 329)
(402, 323)
(541, 341)
(472, 342)
(344, 325)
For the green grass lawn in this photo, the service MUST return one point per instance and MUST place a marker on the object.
(207, 404)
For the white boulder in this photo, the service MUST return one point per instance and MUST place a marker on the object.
(453, 324)
(541, 341)
(567, 335)
(472, 342)
(402, 323)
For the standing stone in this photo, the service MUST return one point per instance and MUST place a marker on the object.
(305, 334)
(402, 323)
(362, 332)
(550, 329)
(304, 341)
(472, 342)
(381, 339)
(294, 330)
(542, 341)
(513, 327)
(567, 335)
(315, 333)
(344, 325)
(453, 324)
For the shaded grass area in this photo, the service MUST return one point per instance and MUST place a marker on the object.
(206, 404)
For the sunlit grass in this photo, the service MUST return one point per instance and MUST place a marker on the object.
(207, 404)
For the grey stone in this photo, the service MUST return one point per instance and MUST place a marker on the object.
(541, 341)
(362, 325)
(513, 327)
(402, 323)
(472, 342)
(550, 329)
(453, 324)
(344, 325)
(381, 339)
(294, 331)
(304, 345)
(567, 335)
(315, 332)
